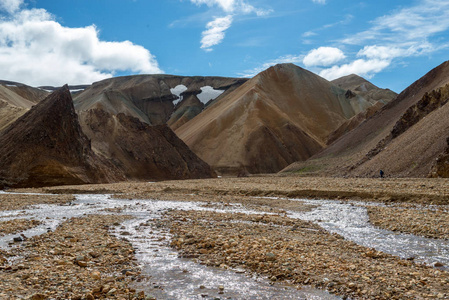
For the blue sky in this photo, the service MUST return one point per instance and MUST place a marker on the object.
(391, 43)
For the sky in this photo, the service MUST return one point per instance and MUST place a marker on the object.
(53, 42)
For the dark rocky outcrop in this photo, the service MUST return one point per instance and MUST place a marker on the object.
(46, 147)
(441, 166)
(141, 151)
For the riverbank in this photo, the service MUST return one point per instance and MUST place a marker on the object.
(282, 248)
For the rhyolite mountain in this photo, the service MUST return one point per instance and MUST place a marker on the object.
(116, 115)
(46, 146)
(356, 87)
(16, 99)
(282, 115)
(141, 151)
(405, 138)
(155, 99)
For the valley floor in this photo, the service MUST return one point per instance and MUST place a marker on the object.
(273, 226)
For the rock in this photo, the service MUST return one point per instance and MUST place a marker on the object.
(270, 256)
(438, 264)
(18, 239)
(82, 263)
(90, 297)
(112, 291)
(95, 275)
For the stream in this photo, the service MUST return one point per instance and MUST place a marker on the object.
(179, 278)
(172, 277)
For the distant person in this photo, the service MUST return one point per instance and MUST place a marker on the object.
(381, 174)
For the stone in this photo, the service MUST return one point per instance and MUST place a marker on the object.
(112, 291)
(82, 263)
(95, 275)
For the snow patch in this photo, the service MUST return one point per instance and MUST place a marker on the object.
(77, 90)
(209, 93)
(177, 90)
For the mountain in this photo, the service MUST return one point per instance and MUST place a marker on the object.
(16, 99)
(141, 151)
(282, 115)
(46, 146)
(406, 138)
(356, 87)
(360, 87)
(116, 115)
(155, 99)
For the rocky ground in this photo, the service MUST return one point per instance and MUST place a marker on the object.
(423, 222)
(303, 254)
(21, 201)
(16, 225)
(80, 260)
(87, 262)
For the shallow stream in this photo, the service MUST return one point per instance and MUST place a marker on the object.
(171, 277)
(176, 278)
(351, 221)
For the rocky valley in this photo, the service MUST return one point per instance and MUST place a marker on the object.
(172, 187)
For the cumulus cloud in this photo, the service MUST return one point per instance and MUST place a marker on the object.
(215, 32)
(319, 1)
(411, 31)
(37, 50)
(10, 6)
(362, 67)
(323, 56)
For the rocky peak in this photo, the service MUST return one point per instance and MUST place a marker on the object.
(46, 146)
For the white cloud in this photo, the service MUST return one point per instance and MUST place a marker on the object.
(412, 24)
(319, 1)
(234, 6)
(281, 60)
(410, 31)
(36, 50)
(10, 6)
(215, 32)
(308, 34)
(323, 56)
(361, 67)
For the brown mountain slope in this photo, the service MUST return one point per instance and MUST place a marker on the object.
(141, 151)
(150, 98)
(15, 100)
(361, 87)
(409, 154)
(415, 141)
(356, 87)
(185, 111)
(282, 115)
(47, 147)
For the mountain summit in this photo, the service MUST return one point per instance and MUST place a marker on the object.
(282, 115)
(46, 146)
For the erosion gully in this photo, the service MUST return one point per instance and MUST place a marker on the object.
(172, 277)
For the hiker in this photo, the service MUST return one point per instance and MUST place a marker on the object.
(381, 174)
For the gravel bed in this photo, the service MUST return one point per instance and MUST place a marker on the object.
(423, 222)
